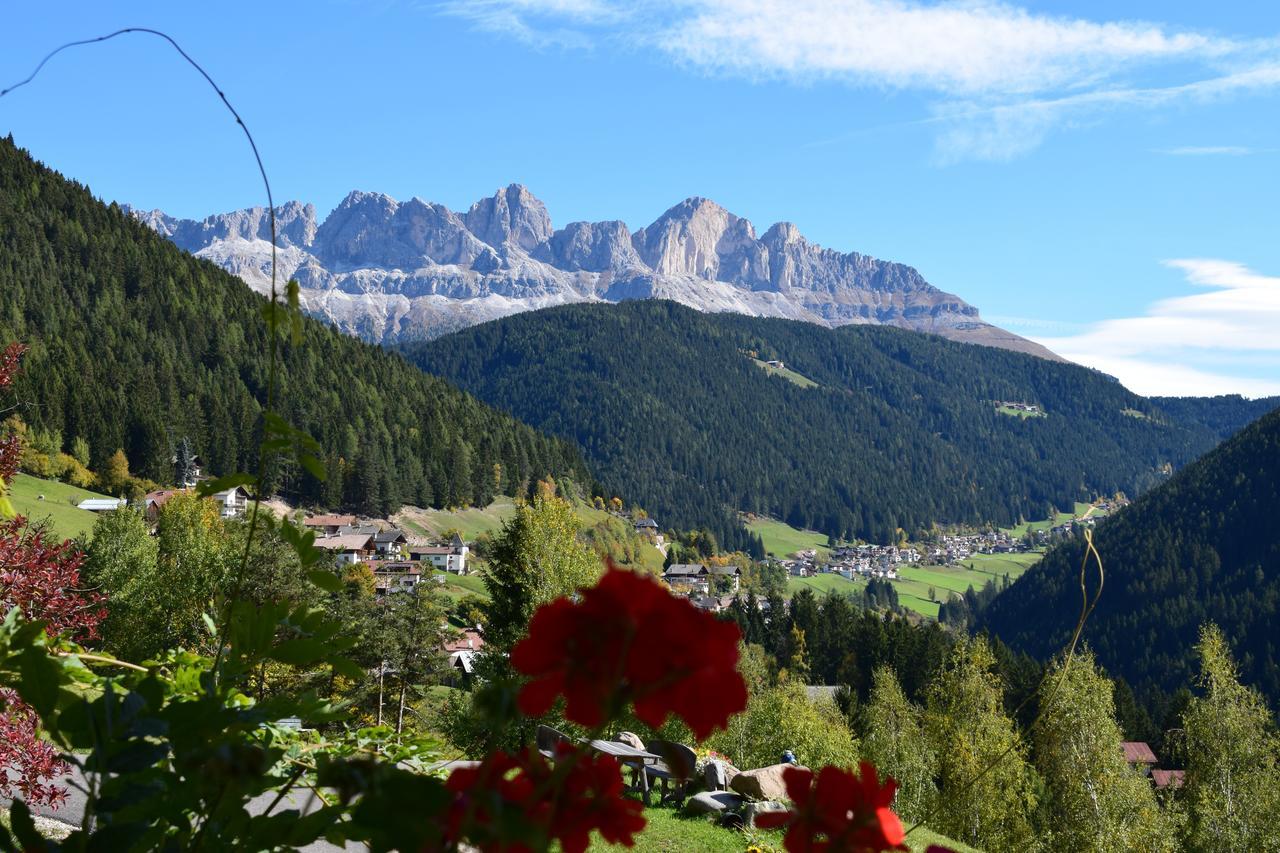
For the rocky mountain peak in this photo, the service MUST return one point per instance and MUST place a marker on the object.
(511, 217)
(700, 238)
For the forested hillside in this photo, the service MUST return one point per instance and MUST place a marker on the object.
(1203, 546)
(136, 345)
(901, 431)
(1223, 414)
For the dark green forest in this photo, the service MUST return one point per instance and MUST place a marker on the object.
(1223, 414)
(1203, 547)
(136, 345)
(902, 431)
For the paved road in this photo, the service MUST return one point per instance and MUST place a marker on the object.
(72, 811)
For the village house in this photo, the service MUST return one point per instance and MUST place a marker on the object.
(392, 576)
(1165, 779)
(152, 503)
(349, 548)
(328, 525)
(696, 578)
(450, 558)
(462, 650)
(1139, 756)
(232, 503)
(390, 542)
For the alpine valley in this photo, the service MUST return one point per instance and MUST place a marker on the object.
(389, 270)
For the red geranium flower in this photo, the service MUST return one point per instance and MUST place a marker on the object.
(515, 804)
(630, 639)
(843, 812)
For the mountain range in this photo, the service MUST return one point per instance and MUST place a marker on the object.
(390, 271)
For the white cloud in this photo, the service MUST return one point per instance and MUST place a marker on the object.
(1003, 77)
(954, 48)
(1231, 322)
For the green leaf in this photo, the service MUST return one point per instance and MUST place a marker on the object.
(299, 652)
(41, 677)
(326, 580)
(24, 828)
(209, 624)
(313, 465)
(347, 668)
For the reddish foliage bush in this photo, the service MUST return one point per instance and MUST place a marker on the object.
(42, 580)
(31, 759)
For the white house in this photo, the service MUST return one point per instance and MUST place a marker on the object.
(450, 558)
(232, 503)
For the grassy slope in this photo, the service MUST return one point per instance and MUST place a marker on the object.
(781, 539)
(914, 581)
(669, 832)
(469, 522)
(1044, 524)
(1018, 413)
(57, 507)
(786, 373)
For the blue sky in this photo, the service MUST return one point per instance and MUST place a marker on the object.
(1102, 177)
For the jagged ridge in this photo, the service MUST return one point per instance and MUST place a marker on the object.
(389, 270)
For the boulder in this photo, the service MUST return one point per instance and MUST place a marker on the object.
(712, 802)
(718, 774)
(751, 810)
(631, 739)
(763, 783)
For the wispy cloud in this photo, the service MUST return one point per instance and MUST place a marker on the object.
(1189, 344)
(1208, 151)
(1001, 131)
(1001, 77)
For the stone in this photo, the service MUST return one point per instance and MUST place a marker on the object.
(763, 783)
(751, 810)
(631, 739)
(712, 802)
(718, 774)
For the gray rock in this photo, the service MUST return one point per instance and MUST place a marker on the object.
(712, 802)
(718, 774)
(763, 783)
(751, 810)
